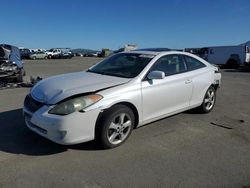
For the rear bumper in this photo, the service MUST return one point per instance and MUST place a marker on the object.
(217, 79)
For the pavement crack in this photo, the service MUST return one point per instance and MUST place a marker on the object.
(222, 126)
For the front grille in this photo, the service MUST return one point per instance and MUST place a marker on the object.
(31, 104)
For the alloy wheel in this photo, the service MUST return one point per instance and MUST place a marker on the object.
(119, 128)
(209, 100)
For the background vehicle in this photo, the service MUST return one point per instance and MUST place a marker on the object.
(59, 53)
(11, 66)
(79, 54)
(231, 56)
(104, 53)
(38, 55)
(127, 48)
(25, 53)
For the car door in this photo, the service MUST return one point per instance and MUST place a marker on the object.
(38, 55)
(169, 95)
(43, 55)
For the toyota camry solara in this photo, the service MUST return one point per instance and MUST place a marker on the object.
(124, 91)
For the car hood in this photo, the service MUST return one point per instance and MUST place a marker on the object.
(57, 88)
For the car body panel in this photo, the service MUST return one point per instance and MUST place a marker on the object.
(60, 129)
(58, 88)
(202, 79)
(166, 95)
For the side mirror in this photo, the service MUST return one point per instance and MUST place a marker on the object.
(156, 75)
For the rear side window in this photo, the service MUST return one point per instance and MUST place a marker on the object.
(193, 63)
(170, 65)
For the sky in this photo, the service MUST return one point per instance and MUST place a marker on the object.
(97, 24)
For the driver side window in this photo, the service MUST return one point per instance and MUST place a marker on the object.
(170, 65)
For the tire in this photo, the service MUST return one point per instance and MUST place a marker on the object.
(208, 101)
(115, 126)
(49, 56)
(34, 58)
(232, 64)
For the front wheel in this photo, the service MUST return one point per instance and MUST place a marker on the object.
(208, 101)
(115, 126)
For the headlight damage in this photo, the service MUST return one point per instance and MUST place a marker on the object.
(75, 104)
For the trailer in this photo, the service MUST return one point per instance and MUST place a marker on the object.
(231, 56)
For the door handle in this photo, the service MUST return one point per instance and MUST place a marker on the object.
(188, 81)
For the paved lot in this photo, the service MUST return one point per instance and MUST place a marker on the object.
(186, 150)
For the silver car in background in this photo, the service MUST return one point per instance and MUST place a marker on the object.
(124, 91)
(38, 55)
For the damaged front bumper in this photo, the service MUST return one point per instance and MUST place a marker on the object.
(8, 70)
(74, 128)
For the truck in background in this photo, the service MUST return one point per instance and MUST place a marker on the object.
(127, 48)
(105, 52)
(231, 56)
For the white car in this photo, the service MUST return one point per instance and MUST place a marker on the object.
(122, 92)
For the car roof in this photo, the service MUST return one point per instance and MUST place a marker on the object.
(161, 51)
(152, 51)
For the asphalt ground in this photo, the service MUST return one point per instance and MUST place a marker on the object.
(185, 150)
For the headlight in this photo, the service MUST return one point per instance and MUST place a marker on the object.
(75, 104)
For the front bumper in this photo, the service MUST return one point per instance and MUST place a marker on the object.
(5, 75)
(66, 130)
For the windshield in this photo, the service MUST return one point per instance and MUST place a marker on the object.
(127, 65)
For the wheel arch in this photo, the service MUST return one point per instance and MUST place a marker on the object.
(233, 63)
(134, 109)
(128, 104)
(215, 86)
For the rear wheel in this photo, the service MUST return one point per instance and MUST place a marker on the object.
(232, 64)
(115, 126)
(208, 101)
